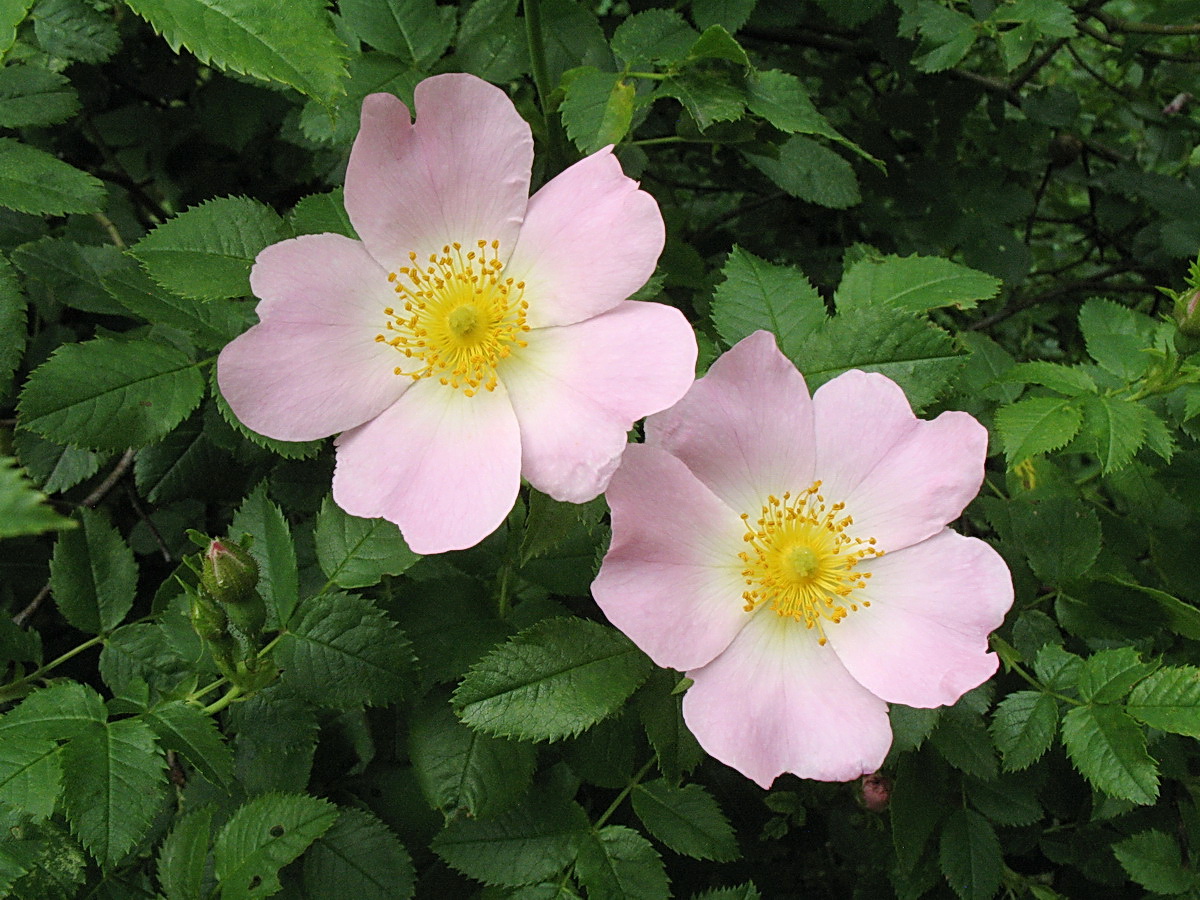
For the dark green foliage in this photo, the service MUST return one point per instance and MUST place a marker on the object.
(992, 203)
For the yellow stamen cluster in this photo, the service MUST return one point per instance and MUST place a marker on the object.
(459, 317)
(801, 562)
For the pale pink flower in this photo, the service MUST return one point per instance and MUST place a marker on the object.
(791, 556)
(474, 335)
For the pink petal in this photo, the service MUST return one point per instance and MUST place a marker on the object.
(578, 389)
(443, 466)
(590, 239)
(461, 173)
(312, 367)
(671, 579)
(924, 640)
(775, 701)
(901, 478)
(745, 429)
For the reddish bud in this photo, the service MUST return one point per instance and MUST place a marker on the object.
(876, 792)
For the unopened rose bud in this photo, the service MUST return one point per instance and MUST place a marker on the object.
(229, 572)
(876, 792)
(1187, 313)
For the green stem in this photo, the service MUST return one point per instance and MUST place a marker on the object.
(651, 76)
(11, 689)
(634, 782)
(1041, 687)
(650, 142)
(219, 704)
(535, 36)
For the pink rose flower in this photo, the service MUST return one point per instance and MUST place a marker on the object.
(791, 556)
(474, 335)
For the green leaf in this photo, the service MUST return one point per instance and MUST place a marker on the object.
(30, 775)
(12, 13)
(340, 650)
(552, 680)
(1153, 860)
(262, 837)
(812, 172)
(113, 784)
(416, 31)
(1023, 727)
(780, 98)
(617, 863)
(758, 294)
(526, 844)
(276, 739)
(1109, 674)
(355, 552)
(660, 709)
(142, 655)
(730, 13)
(653, 35)
(947, 35)
(93, 575)
(917, 805)
(745, 891)
(300, 49)
(687, 819)
(184, 852)
(54, 466)
(1169, 700)
(462, 769)
(206, 252)
(12, 321)
(1037, 425)
(23, 508)
(33, 181)
(1059, 669)
(1109, 750)
(915, 283)
(911, 351)
(963, 741)
(172, 468)
(358, 857)
(708, 94)
(184, 728)
(109, 394)
(717, 43)
(551, 524)
(597, 108)
(69, 273)
(1010, 799)
(1061, 537)
(211, 325)
(1069, 380)
(1116, 428)
(71, 29)
(970, 855)
(1117, 337)
(320, 213)
(272, 549)
(31, 95)
(56, 713)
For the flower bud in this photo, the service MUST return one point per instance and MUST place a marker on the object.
(229, 573)
(876, 792)
(1187, 317)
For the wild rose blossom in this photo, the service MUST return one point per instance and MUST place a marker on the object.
(791, 556)
(474, 335)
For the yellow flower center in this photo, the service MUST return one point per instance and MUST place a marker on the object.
(458, 319)
(802, 563)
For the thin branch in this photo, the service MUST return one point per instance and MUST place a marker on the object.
(89, 501)
(1112, 23)
(1144, 51)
